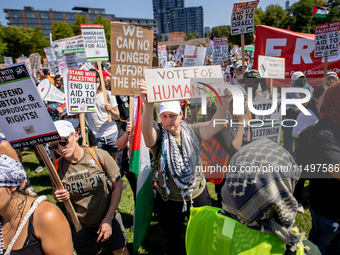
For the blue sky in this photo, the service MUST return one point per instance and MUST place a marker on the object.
(216, 12)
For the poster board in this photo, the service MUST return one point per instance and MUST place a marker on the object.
(8, 60)
(162, 54)
(220, 50)
(170, 84)
(131, 55)
(49, 92)
(193, 56)
(270, 125)
(23, 112)
(271, 67)
(327, 39)
(70, 45)
(94, 42)
(81, 91)
(242, 17)
(209, 48)
(52, 61)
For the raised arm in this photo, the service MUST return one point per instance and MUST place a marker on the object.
(209, 129)
(149, 133)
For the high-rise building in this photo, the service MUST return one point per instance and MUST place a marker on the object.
(287, 5)
(29, 17)
(172, 16)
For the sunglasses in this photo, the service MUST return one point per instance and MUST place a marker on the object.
(331, 78)
(62, 142)
(251, 81)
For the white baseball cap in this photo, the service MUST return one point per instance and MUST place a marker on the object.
(171, 106)
(64, 128)
(297, 75)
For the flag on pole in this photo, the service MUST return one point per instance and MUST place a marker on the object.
(140, 165)
(254, 37)
(319, 12)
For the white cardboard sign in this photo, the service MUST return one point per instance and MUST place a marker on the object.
(242, 17)
(193, 56)
(327, 39)
(270, 67)
(94, 42)
(174, 83)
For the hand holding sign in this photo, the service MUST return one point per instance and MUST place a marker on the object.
(144, 92)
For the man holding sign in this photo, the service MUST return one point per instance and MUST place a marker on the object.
(176, 147)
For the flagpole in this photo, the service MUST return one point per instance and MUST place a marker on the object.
(310, 23)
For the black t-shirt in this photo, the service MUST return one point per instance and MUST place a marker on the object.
(125, 162)
(325, 144)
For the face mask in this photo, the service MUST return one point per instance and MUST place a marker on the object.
(54, 107)
(300, 82)
(97, 85)
(74, 122)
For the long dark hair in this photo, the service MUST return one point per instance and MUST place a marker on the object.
(311, 104)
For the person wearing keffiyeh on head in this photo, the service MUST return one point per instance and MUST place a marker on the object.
(324, 201)
(176, 147)
(259, 208)
(20, 232)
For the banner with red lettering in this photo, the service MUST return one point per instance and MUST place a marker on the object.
(298, 51)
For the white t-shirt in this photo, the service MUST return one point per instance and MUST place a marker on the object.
(304, 121)
(99, 121)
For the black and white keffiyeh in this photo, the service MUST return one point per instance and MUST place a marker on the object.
(181, 164)
(11, 172)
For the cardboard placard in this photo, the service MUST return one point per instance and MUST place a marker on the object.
(71, 61)
(71, 45)
(220, 50)
(193, 56)
(270, 67)
(174, 83)
(268, 126)
(131, 55)
(81, 91)
(8, 60)
(209, 48)
(49, 92)
(22, 111)
(162, 54)
(235, 49)
(242, 17)
(94, 42)
(62, 65)
(52, 61)
(327, 39)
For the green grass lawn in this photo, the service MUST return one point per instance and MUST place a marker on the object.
(154, 243)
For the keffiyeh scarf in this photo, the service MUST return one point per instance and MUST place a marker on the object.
(181, 164)
(11, 172)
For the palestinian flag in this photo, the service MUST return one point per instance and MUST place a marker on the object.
(248, 29)
(73, 108)
(90, 108)
(319, 12)
(140, 165)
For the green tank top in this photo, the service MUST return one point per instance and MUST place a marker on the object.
(211, 233)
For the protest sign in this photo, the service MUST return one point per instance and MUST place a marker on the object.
(297, 49)
(162, 54)
(221, 50)
(71, 45)
(131, 55)
(174, 83)
(8, 60)
(155, 48)
(49, 92)
(52, 61)
(242, 17)
(22, 111)
(94, 42)
(81, 91)
(268, 126)
(62, 65)
(70, 61)
(270, 67)
(327, 39)
(209, 48)
(87, 66)
(235, 49)
(193, 56)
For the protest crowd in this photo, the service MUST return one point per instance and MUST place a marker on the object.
(102, 133)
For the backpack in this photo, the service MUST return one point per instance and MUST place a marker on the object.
(94, 154)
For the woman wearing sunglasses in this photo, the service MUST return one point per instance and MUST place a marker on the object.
(84, 180)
